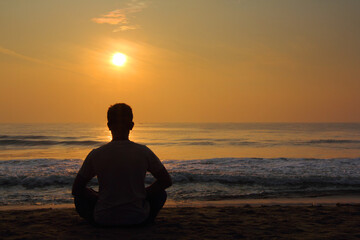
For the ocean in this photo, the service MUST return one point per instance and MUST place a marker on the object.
(207, 161)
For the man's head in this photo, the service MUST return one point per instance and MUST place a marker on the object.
(120, 117)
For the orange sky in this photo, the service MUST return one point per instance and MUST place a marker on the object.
(188, 61)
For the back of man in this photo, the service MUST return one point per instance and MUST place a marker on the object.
(120, 167)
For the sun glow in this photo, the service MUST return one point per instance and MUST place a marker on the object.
(119, 59)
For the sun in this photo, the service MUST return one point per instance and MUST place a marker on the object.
(119, 59)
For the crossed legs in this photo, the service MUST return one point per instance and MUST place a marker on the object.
(85, 205)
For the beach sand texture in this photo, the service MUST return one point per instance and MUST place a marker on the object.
(245, 222)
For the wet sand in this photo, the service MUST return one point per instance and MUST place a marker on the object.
(339, 221)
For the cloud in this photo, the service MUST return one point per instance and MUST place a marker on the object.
(125, 28)
(57, 65)
(120, 17)
(18, 55)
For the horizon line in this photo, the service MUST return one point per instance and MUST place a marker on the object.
(189, 122)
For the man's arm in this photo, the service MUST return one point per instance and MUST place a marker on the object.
(85, 174)
(163, 181)
(79, 187)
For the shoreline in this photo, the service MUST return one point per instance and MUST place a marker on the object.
(296, 201)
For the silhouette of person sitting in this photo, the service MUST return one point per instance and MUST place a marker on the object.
(120, 167)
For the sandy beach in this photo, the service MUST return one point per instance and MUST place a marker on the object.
(339, 221)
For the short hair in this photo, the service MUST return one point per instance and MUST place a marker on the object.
(119, 113)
